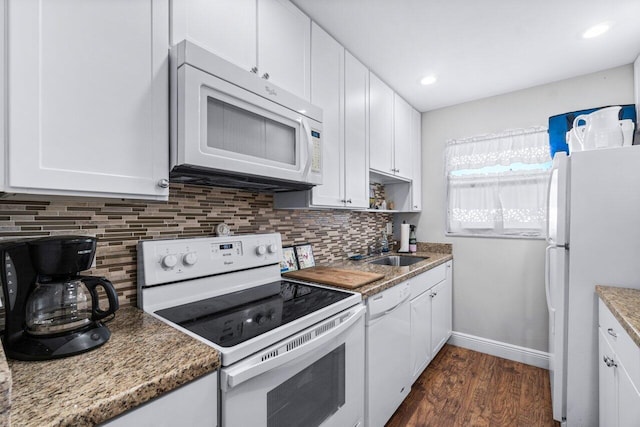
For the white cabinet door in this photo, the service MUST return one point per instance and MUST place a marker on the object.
(327, 91)
(224, 27)
(420, 334)
(88, 97)
(440, 314)
(380, 125)
(608, 390)
(416, 155)
(339, 85)
(628, 401)
(194, 404)
(355, 133)
(284, 40)
(402, 137)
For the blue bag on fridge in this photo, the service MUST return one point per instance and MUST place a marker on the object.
(562, 123)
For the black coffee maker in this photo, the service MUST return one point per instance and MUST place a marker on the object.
(50, 310)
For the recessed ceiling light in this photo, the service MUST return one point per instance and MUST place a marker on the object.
(596, 30)
(428, 80)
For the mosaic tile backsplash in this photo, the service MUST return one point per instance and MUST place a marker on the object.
(191, 211)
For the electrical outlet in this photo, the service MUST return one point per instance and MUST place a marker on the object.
(389, 227)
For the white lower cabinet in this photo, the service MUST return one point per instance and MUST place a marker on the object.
(441, 312)
(618, 373)
(430, 315)
(420, 334)
(195, 404)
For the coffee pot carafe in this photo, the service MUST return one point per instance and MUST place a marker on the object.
(50, 310)
(57, 306)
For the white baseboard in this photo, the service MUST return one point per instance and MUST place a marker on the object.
(516, 353)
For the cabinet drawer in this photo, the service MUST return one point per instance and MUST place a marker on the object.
(427, 280)
(625, 348)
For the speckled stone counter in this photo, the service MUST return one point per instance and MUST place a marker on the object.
(624, 303)
(5, 389)
(437, 253)
(143, 359)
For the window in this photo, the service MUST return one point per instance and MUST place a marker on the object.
(497, 184)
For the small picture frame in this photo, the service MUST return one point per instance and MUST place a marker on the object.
(304, 254)
(289, 261)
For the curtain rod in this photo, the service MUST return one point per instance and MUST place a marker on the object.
(511, 132)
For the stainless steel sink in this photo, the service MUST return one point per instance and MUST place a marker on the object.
(398, 260)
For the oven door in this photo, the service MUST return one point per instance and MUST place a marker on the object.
(227, 128)
(314, 378)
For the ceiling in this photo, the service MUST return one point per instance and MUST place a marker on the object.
(478, 49)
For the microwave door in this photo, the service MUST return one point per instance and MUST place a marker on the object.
(229, 129)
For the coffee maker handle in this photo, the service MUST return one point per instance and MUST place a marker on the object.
(92, 283)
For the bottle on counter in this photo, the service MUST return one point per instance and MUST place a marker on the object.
(384, 242)
(413, 243)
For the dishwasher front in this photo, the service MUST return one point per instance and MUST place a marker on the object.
(388, 362)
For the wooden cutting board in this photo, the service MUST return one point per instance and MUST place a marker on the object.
(335, 276)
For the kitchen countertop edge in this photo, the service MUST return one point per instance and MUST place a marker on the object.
(137, 365)
(392, 275)
(624, 304)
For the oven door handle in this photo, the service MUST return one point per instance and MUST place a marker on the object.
(235, 375)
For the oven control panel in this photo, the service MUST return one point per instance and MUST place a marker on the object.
(164, 261)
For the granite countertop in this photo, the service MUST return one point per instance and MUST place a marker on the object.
(437, 253)
(624, 303)
(5, 390)
(143, 359)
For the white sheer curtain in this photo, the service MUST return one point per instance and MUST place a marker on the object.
(497, 184)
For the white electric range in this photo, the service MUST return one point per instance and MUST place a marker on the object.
(292, 352)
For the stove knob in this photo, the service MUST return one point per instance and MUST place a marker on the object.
(261, 250)
(190, 258)
(272, 248)
(260, 319)
(169, 261)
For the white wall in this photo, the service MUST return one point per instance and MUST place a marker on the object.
(499, 283)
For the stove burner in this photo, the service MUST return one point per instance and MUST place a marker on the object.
(231, 319)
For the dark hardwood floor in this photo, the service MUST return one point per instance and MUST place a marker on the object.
(465, 388)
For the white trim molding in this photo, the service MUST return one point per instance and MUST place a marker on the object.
(516, 353)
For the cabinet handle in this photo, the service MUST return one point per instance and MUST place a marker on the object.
(613, 334)
(433, 294)
(254, 70)
(163, 183)
(343, 201)
(265, 76)
(349, 201)
(609, 362)
(415, 206)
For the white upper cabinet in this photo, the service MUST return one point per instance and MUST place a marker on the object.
(416, 155)
(327, 92)
(402, 137)
(381, 126)
(271, 38)
(339, 85)
(390, 131)
(87, 105)
(227, 28)
(284, 40)
(355, 133)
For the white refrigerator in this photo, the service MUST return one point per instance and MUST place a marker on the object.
(594, 238)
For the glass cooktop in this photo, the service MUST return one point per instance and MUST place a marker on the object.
(231, 319)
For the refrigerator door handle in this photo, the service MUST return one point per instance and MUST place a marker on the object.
(547, 277)
(553, 169)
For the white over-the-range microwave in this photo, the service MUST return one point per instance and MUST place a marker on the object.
(231, 128)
